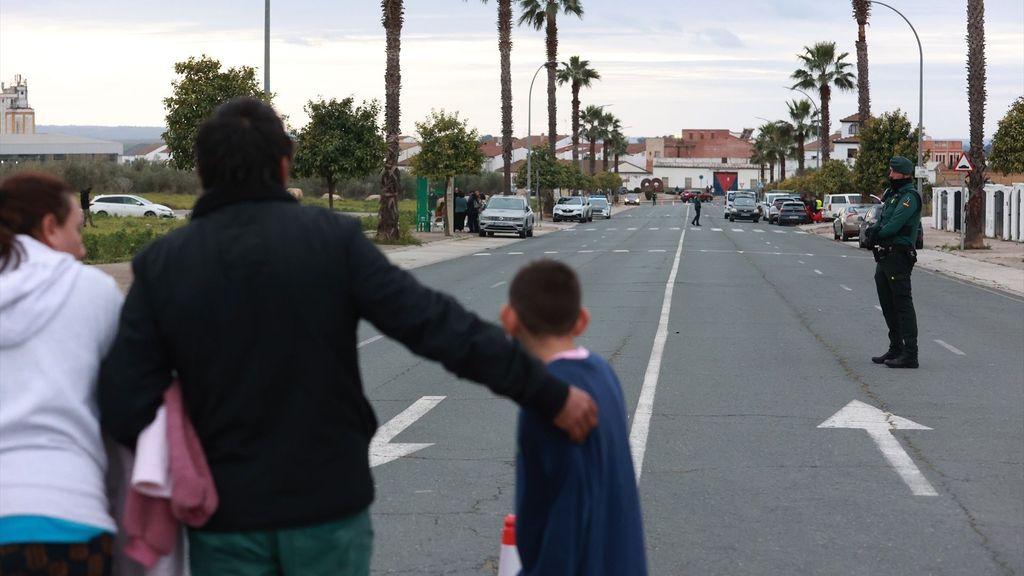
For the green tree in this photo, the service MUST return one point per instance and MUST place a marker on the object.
(1008, 143)
(616, 145)
(387, 215)
(822, 70)
(610, 182)
(544, 14)
(340, 141)
(578, 74)
(880, 139)
(547, 171)
(201, 86)
(612, 125)
(448, 148)
(974, 234)
(834, 177)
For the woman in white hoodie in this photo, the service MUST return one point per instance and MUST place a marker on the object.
(57, 320)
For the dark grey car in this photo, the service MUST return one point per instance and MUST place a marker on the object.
(744, 208)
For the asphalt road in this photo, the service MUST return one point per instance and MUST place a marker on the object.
(766, 336)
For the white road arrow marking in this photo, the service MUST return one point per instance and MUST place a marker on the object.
(382, 450)
(879, 426)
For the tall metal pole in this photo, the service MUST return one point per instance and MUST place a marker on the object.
(529, 144)
(817, 157)
(920, 92)
(266, 49)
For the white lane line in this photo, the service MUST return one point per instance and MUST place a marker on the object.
(482, 254)
(737, 229)
(716, 229)
(369, 341)
(630, 228)
(551, 252)
(801, 262)
(585, 251)
(843, 256)
(656, 250)
(799, 232)
(845, 287)
(515, 253)
(621, 251)
(590, 229)
(877, 307)
(645, 404)
(382, 450)
(654, 228)
(952, 349)
(675, 228)
(758, 230)
(818, 272)
(496, 284)
(779, 231)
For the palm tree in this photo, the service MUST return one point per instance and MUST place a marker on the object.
(593, 119)
(387, 224)
(543, 14)
(764, 150)
(505, 50)
(611, 125)
(973, 235)
(759, 156)
(822, 70)
(578, 74)
(784, 144)
(616, 145)
(804, 121)
(861, 12)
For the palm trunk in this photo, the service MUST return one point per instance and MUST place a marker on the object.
(974, 234)
(505, 48)
(782, 166)
(616, 162)
(552, 38)
(575, 123)
(771, 171)
(800, 151)
(593, 156)
(604, 155)
(387, 224)
(860, 8)
(826, 121)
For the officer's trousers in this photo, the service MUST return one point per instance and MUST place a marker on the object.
(892, 281)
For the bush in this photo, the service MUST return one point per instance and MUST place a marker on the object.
(120, 239)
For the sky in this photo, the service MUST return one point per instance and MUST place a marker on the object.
(665, 65)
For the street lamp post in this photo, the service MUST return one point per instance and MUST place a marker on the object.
(266, 48)
(817, 157)
(920, 92)
(529, 143)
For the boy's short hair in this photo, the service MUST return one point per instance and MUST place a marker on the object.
(545, 294)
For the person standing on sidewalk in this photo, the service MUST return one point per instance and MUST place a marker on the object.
(262, 335)
(696, 207)
(460, 210)
(83, 197)
(893, 238)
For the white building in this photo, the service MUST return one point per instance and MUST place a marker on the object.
(702, 172)
(16, 115)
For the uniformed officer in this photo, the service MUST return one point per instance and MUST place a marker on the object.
(893, 238)
(696, 206)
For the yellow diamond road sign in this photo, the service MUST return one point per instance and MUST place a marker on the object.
(964, 164)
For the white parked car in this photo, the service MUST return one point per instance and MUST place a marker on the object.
(573, 208)
(128, 205)
(507, 214)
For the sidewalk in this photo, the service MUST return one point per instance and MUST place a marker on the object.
(1001, 266)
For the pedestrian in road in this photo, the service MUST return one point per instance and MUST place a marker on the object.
(83, 198)
(893, 238)
(654, 198)
(460, 210)
(473, 212)
(577, 506)
(262, 335)
(57, 320)
(696, 207)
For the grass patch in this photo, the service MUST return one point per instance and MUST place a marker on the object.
(171, 200)
(118, 239)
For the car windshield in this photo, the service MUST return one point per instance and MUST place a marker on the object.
(744, 201)
(143, 200)
(505, 204)
(571, 200)
(599, 202)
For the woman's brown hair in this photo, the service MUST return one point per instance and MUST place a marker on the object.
(25, 198)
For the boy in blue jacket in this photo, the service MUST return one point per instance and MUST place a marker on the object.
(577, 506)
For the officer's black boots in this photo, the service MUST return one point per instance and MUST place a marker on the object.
(892, 354)
(908, 359)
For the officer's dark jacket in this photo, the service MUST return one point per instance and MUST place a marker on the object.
(901, 216)
(254, 304)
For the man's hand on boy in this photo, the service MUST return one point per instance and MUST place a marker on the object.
(578, 415)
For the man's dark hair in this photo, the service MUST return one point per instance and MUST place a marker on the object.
(546, 296)
(240, 146)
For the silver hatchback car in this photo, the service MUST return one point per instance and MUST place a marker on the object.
(507, 214)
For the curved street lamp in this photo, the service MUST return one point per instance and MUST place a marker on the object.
(920, 90)
(529, 143)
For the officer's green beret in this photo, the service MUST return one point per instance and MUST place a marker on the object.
(902, 165)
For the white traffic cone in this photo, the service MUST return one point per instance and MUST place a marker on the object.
(508, 560)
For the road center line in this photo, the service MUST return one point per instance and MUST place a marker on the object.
(551, 252)
(952, 349)
(818, 272)
(645, 404)
(369, 341)
(845, 287)
(496, 284)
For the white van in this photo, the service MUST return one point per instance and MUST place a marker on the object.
(834, 203)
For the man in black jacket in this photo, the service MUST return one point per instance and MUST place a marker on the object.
(254, 306)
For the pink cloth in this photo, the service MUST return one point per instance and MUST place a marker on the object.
(151, 523)
(580, 353)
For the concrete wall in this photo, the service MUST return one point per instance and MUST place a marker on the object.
(1004, 210)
